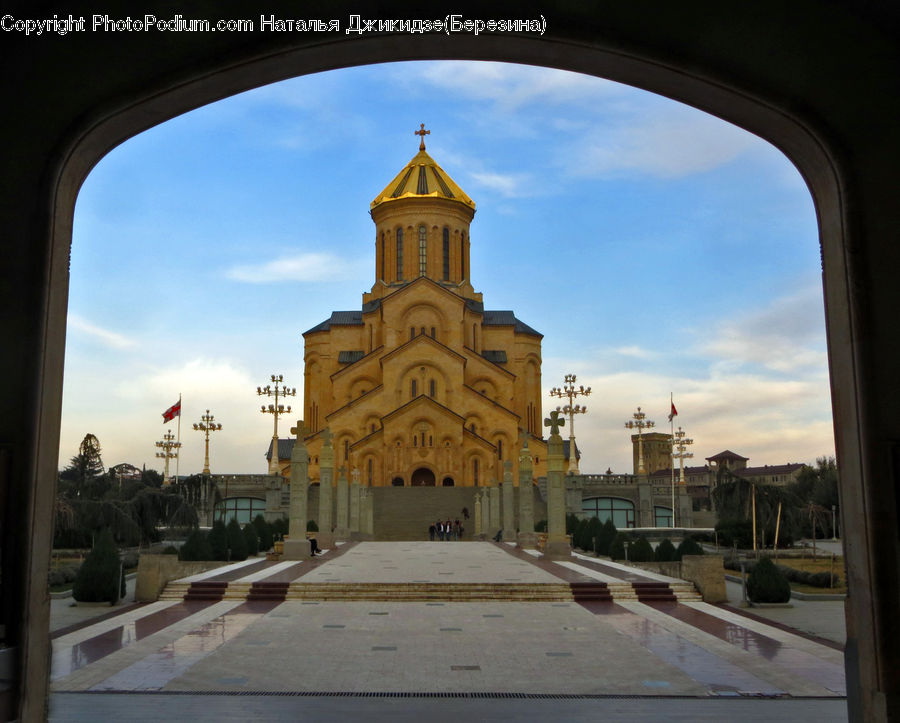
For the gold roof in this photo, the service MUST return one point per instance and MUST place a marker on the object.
(422, 178)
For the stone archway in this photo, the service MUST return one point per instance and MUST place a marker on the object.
(448, 482)
(397, 482)
(422, 477)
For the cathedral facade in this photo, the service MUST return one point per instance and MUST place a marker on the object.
(423, 386)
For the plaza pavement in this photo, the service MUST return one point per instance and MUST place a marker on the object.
(318, 660)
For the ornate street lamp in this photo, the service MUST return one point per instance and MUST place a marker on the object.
(640, 422)
(568, 391)
(275, 409)
(681, 444)
(167, 445)
(206, 426)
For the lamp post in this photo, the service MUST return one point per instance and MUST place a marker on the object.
(206, 426)
(834, 523)
(568, 391)
(679, 442)
(167, 445)
(275, 409)
(640, 422)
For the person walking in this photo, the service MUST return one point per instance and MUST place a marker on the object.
(431, 531)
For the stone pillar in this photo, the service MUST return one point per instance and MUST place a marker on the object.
(342, 521)
(685, 508)
(296, 547)
(645, 516)
(485, 511)
(509, 504)
(367, 512)
(527, 536)
(354, 505)
(477, 515)
(325, 536)
(557, 547)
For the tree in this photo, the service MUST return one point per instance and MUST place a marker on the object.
(98, 579)
(688, 546)
(235, 538)
(605, 535)
(617, 546)
(264, 532)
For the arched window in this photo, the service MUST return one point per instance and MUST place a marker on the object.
(370, 469)
(413, 389)
(423, 438)
(412, 333)
(433, 332)
(430, 441)
(399, 254)
(415, 441)
(432, 387)
(446, 254)
(462, 256)
(475, 470)
(620, 511)
(499, 449)
(423, 246)
(346, 449)
(382, 255)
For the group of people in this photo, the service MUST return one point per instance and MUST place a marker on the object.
(445, 530)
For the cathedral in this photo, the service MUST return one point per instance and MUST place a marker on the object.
(423, 386)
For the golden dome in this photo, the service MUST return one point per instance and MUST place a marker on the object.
(422, 177)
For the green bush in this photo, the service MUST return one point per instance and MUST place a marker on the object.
(98, 578)
(130, 560)
(280, 527)
(55, 578)
(735, 532)
(264, 532)
(581, 537)
(571, 524)
(312, 526)
(218, 541)
(640, 550)
(605, 535)
(170, 550)
(617, 546)
(540, 526)
(688, 546)
(767, 584)
(236, 542)
(251, 539)
(196, 547)
(665, 551)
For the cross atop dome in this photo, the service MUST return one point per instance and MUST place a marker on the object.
(422, 132)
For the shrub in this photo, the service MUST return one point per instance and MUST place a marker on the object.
(218, 541)
(196, 547)
(280, 527)
(131, 559)
(98, 578)
(593, 531)
(581, 538)
(665, 551)
(251, 539)
(640, 550)
(735, 532)
(170, 550)
(264, 532)
(55, 578)
(236, 543)
(617, 546)
(767, 584)
(688, 546)
(540, 526)
(312, 526)
(571, 524)
(605, 535)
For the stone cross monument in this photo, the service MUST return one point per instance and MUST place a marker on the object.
(296, 546)
(326, 491)
(509, 502)
(354, 505)
(342, 522)
(557, 546)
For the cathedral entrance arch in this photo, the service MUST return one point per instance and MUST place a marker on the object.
(397, 482)
(448, 482)
(422, 477)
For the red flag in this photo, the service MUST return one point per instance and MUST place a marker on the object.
(172, 412)
(674, 412)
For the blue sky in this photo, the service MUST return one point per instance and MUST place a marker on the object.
(658, 249)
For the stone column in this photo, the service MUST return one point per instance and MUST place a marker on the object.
(509, 505)
(342, 521)
(557, 547)
(325, 536)
(485, 511)
(296, 547)
(367, 511)
(495, 506)
(527, 536)
(354, 505)
(476, 511)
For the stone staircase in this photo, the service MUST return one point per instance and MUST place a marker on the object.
(433, 592)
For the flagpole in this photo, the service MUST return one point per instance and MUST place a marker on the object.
(672, 452)
(178, 458)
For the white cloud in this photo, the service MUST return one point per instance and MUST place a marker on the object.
(306, 267)
(786, 336)
(106, 337)
(636, 352)
(508, 185)
(679, 142)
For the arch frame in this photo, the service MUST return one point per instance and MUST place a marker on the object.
(846, 173)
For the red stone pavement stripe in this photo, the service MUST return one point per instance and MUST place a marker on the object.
(233, 575)
(623, 575)
(781, 626)
(100, 618)
(313, 563)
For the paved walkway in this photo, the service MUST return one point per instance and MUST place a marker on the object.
(321, 660)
